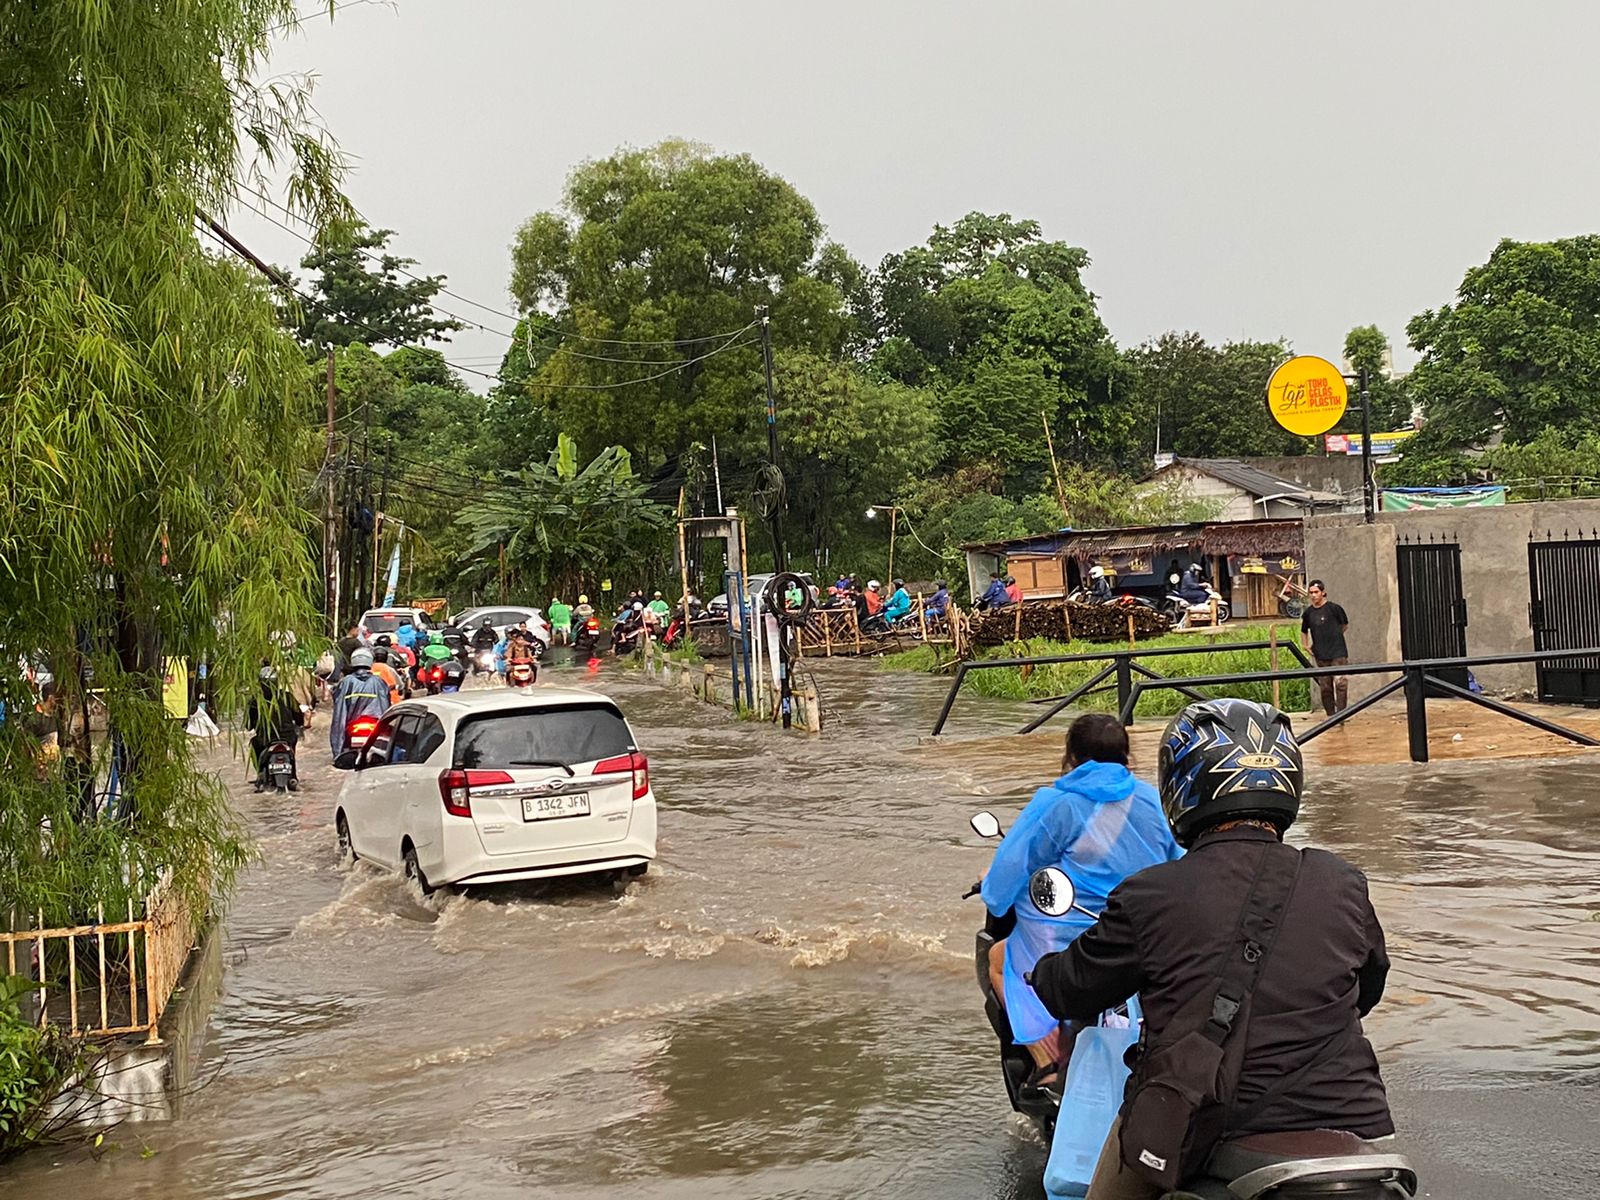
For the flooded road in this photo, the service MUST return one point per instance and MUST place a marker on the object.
(785, 1006)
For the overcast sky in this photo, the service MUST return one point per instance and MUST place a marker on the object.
(1244, 169)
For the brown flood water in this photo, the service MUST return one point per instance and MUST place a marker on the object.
(786, 1005)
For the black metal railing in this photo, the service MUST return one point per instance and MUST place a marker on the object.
(1123, 664)
(1417, 678)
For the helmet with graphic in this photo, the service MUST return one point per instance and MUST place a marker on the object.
(1228, 760)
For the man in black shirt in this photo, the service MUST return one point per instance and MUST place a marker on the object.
(1322, 630)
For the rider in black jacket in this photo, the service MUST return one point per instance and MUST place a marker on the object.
(1231, 780)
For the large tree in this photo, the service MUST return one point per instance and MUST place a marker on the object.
(154, 485)
(652, 272)
(363, 293)
(999, 322)
(1519, 350)
(1366, 348)
(1210, 401)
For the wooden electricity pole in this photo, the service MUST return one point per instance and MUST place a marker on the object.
(1061, 494)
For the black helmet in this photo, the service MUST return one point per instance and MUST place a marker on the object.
(899, 583)
(486, 623)
(1223, 760)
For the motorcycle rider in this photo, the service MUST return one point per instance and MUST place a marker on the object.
(1231, 782)
(939, 602)
(1098, 824)
(273, 715)
(995, 596)
(360, 693)
(1099, 585)
(384, 669)
(899, 604)
(435, 650)
(585, 610)
(660, 607)
(456, 639)
(1192, 587)
(484, 636)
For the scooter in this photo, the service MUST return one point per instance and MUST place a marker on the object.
(588, 637)
(278, 768)
(1039, 1104)
(483, 662)
(522, 673)
(1176, 607)
(1311, 1165)
(443, 677)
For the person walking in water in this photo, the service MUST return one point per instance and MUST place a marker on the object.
(1322, 629)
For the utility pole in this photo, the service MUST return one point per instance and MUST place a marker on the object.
(377, 529)
(716, 472)
(1061, 493)
(329, 569)
(1368, 500)
(780, 562)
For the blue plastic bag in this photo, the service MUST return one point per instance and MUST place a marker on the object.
(1096, 1077)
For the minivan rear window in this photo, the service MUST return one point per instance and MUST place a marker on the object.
(383, 622)
(577, 733)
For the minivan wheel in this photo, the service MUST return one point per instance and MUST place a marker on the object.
(413, 870)
(347, 852)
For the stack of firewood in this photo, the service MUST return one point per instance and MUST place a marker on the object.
(1053, 620)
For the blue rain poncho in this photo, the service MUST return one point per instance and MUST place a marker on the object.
(1098, 824)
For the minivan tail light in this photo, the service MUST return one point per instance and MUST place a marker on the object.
(634, 762)
(455, 788)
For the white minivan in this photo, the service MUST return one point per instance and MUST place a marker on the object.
(498, 785)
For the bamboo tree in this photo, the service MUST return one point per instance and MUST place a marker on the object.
(153, 498)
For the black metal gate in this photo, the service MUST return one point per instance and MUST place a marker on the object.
(1564, 610)
(1433, 612)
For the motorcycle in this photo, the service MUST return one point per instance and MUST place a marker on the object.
(483, 661)
(1308, 1165)
(443, 677)
(523, 673)
(588, 636)
(1178, 609)
(626, 636)
(278, 768)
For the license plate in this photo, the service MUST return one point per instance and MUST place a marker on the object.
(546, 808)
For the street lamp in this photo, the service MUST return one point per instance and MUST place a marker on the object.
(894, 520)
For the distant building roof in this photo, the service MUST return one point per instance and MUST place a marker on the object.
(1253, 480)
(1211, 537)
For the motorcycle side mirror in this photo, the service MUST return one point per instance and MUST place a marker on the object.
(1052, 892)
(985, 824)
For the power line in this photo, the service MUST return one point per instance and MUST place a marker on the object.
(555, 333)
(232, 243)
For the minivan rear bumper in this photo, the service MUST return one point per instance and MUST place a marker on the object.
(594, 867)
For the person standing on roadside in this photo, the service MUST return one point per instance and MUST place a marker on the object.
(1322, 630)
(561, 622)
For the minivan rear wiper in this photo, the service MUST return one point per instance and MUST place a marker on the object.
(542, 762)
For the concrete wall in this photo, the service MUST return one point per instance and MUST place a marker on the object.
(1358, 564)
(1320, 472)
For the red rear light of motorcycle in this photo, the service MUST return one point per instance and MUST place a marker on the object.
(455, 788)
(635, 762)
(593, 623)
(359, 732)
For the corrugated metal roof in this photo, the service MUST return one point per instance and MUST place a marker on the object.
(1254, 480)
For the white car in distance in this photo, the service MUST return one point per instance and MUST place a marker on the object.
(495, 786)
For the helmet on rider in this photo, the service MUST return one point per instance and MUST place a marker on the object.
(1097, 572)
(486, 623)
(361, 657)
(899, 583)
(873, 585)
(637, 606)
(1229, 760)
(267, 674)
(436, 638)
(583, 599)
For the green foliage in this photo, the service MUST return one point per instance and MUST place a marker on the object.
(1057, 679)
(361, 296)
(1519, 351)
(1210, 401)
(1366, 347)
(999, 321)
(672, 246)
(566, 526)
(36, 1065)
(153, 492)
(1555, 464)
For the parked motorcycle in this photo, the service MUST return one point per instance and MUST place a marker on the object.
(1177, 608)
(1310, 1165)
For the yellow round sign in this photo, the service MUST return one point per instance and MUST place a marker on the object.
(1307, 395)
